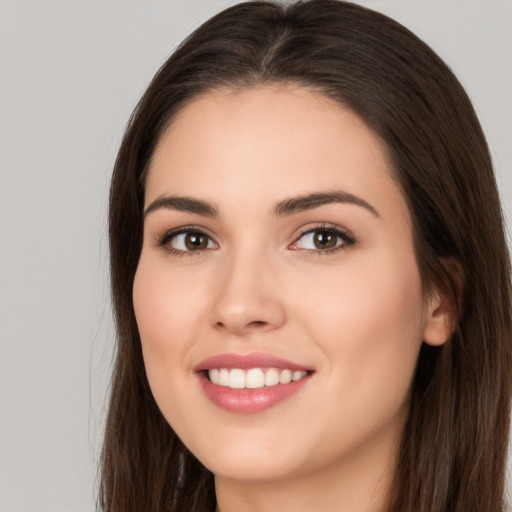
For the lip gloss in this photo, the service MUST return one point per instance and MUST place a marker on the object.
(249, 401)
(245, 400)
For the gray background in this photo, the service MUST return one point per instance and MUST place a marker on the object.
(70, 73)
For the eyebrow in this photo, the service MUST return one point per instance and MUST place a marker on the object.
(309, 201)
(182, 204)
(282, 209)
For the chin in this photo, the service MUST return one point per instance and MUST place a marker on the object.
(241, 461)
(248, 469)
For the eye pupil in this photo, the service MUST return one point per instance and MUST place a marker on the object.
(194, 241)
(325, 240)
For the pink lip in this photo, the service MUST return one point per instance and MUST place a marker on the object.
(247, 361)
(248, 401)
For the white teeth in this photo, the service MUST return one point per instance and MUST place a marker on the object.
(253, 378)
(271, 377)
(285, 377)
(214, 375)
(223, 377)
(236, 379)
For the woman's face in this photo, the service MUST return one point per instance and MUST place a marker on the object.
(277, 246)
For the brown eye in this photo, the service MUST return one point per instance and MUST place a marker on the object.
(188, 241)
(325, 239)
(195, 241)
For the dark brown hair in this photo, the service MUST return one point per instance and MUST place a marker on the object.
(452, 456)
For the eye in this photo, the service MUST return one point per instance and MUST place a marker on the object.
(190, 240)
(323, 239)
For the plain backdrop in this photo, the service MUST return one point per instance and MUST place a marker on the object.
(71, 72)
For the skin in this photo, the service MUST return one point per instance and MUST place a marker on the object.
(357, 315)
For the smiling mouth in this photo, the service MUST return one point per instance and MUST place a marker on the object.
(253, 378)
(250, 383)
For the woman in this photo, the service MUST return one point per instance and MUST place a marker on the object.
(310, 276)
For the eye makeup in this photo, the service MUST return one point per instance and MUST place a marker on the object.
(322, 239)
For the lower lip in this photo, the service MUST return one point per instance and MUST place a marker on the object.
(250, 401)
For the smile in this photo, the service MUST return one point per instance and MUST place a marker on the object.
(250, 383)
(254, 378)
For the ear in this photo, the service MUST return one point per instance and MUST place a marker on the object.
(438, 322)
(443, 307)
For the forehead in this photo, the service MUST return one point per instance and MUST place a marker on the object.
(273, 141)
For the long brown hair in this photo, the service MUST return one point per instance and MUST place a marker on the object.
(452, 456)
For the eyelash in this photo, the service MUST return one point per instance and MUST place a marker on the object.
(169, 235)
(346, 237)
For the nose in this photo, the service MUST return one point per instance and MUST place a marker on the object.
(248, 298)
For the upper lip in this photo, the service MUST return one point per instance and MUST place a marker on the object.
(248, 361)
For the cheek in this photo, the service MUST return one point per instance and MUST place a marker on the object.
(166, 305)
(368, 322)
(166, 309)
(361, 301)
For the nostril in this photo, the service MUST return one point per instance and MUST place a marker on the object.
(257, 324)
(254, 325)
